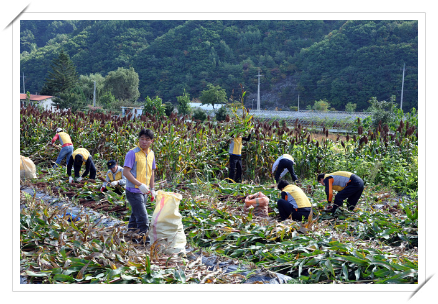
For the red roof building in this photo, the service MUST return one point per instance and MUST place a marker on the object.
(43, 100)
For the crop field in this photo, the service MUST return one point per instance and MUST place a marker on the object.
(376, 243)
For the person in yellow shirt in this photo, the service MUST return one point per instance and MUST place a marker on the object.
(81, 157)
(293, 203)
(285, 163)
(114, 178)
(66, 146)
(235, 152)
(139, 170)
(349, 186)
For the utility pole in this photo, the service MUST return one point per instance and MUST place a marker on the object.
(24, 87)
(258, 91)
(94, 95)
(403, 82)
(298, 102)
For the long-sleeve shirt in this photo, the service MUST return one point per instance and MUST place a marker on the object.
(336, 181)
(275, 165)
(117, 176)
(236, 145)
(64, 139)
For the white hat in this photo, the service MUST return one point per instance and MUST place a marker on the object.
(58, 130)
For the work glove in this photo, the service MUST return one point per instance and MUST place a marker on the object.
(70, 179)
(102, 189)
(114, 183)
(79, 179)
(144, 189)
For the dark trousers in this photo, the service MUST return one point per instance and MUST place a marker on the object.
(139, 217)
(89, 168)
(235, 168)
(286, 209)
(285, 164)
(351, 192)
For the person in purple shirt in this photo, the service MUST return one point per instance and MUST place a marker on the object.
(139, 168)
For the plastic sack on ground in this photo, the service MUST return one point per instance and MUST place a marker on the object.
(260, 203)
(166, 222)
(27, 168)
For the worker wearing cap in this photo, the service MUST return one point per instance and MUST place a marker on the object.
(293, 203)
(349, 186)
(114, 177)
(78, 158)
(282, 165)
(66, 146)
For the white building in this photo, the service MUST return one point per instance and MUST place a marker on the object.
(40, 100)
(137, 111)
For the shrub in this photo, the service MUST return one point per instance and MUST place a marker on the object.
(168, 108)
(383, 112)
(321, 105)
(350, 107)
(154, 106)
(184, 103)
(199, 114)
(107, 99)
(221, 114)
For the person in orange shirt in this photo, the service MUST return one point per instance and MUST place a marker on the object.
(349, 186)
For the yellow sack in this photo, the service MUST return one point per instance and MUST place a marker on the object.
(27, 168)
(166, 222)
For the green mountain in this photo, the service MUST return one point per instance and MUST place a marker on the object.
(339, 61)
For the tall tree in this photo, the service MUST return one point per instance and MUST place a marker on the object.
(86, 82)
(213, 95)
(123, 84)
(62, 76)
(73, 98)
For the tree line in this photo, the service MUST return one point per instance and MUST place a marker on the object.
(339, 62)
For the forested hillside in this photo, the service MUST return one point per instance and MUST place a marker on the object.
(339, 61)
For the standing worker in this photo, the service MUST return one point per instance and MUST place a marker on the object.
(282, 165)
(348, 185)
(293, 202)
(114, 177)
(235, 152)
(81, 157)
(66, 146)
(139, 169)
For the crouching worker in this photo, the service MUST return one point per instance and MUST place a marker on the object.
(282, 165)
(81, 157)
(349, 186)
(293, 202)
(139, 169)
(114, 178)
